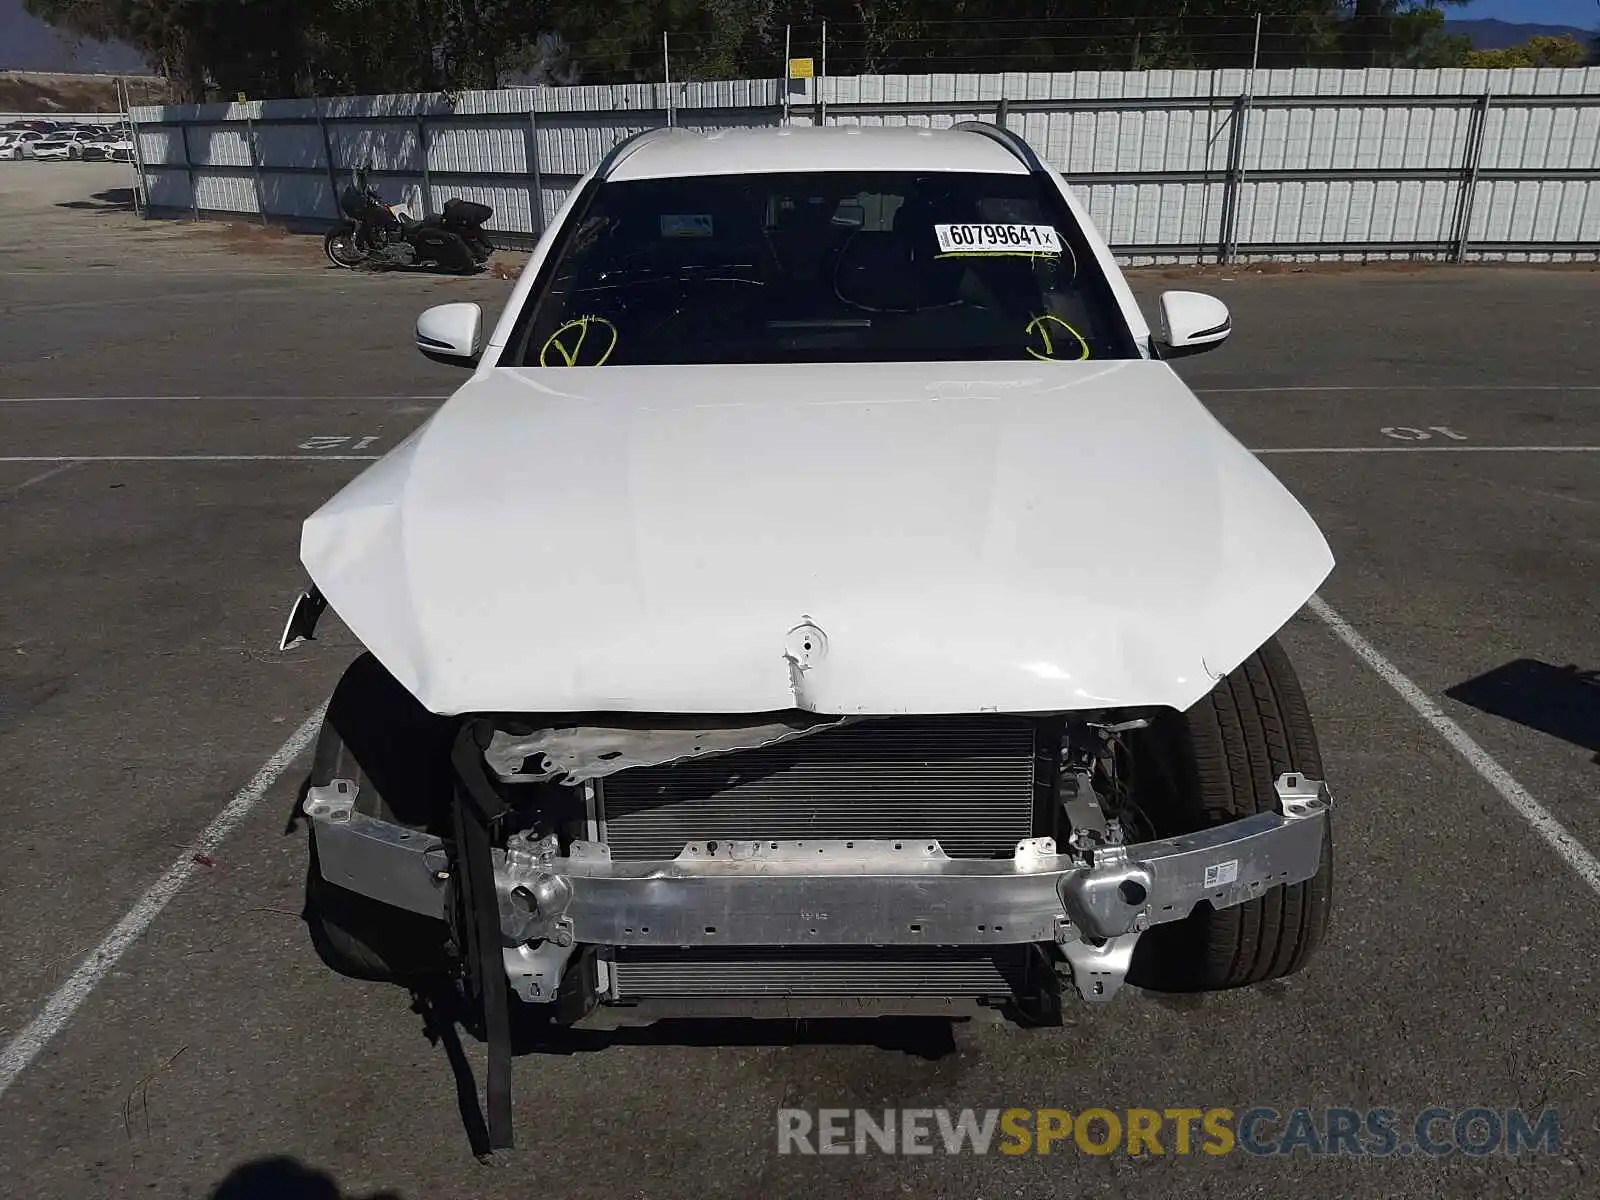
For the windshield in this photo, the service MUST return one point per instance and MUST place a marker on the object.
(821, 267)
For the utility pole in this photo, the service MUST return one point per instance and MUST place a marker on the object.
(666, 72)
(822, 84)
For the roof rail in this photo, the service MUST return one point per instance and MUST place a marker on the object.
(628, 145)
(1011, 141)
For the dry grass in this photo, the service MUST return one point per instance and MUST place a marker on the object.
(35, 92)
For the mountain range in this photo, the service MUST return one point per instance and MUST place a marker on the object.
(1497, 35)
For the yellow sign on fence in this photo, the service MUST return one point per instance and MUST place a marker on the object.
(801, 68)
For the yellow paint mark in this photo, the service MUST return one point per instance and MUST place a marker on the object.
(1041, 325)
(568, 349)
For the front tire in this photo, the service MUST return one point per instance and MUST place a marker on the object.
(340, 245)
(1224, 757)
(397, 754)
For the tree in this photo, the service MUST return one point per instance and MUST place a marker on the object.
(1540, 51)
(294, 47)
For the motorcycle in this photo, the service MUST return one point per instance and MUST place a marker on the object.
(397, 235)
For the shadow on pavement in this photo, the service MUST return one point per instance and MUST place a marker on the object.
(1563, 702)
(445, 1017)
(285, 1179)
(110, 200)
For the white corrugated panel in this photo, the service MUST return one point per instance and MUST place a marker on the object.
(167, 189)
(218, 192)
(290, 146)
(383, 147)
(216, 146)
(479, 147)
(297, 195)
(1515, 211)
(1540, 138)
(160, 144)
(568, 147)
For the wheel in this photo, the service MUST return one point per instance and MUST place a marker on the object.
(361, 938)
(398, 755)
(1219, 762)
(339, 244)
(74, 152)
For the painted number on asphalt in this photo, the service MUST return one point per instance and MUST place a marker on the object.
(1410, 433)
(338, 443)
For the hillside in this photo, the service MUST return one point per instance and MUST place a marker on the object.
(1497, 35)
(34, 92)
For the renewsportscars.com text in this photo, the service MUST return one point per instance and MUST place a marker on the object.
(1340, 1132)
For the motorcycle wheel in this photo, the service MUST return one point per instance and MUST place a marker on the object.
(340, 246)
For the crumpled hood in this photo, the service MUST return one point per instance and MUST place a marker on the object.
(878, 538)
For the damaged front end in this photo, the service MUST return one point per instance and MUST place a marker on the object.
(802, 865)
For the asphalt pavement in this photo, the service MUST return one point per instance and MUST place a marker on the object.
(175, 399)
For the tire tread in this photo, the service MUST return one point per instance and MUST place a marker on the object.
(1252, 727)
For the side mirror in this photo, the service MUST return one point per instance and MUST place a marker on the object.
(451, 333)
(1192, 323)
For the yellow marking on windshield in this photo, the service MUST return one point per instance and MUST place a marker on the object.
(1041, 325)
(568, 348)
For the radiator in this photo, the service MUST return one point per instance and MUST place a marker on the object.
(966, 781)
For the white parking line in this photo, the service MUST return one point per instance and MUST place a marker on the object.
(183, 399)
(1568, 848)
(1453, 448)
(1449, 449)
(135, 458)
(66, 999)
(1385, 388)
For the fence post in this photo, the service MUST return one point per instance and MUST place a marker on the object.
(255, 165)
(822, 84)
(427, 178)
(1477, 128)
(188, 166)
(141, 194)
(536, 209)
(327, 154)
(1230, 188)
(1000, 112)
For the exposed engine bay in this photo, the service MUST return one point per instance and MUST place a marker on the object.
(982, 858)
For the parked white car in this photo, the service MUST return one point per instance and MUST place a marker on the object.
(822, 593)
(109, 145)
(18, 143)
(63, 145)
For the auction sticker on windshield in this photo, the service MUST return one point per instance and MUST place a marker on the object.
(997, 239)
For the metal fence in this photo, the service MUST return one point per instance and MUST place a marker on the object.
(1173, 165)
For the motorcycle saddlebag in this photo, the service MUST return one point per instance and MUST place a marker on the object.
(466, 212)
(443, 247)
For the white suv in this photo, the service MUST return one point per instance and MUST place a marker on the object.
(18, 143)
(821, 595)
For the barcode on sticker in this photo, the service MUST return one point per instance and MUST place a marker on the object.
(1223, 873)
(998, 239)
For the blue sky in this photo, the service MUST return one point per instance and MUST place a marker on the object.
(1585, 14)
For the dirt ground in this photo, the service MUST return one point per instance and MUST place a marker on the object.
(37, 92)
